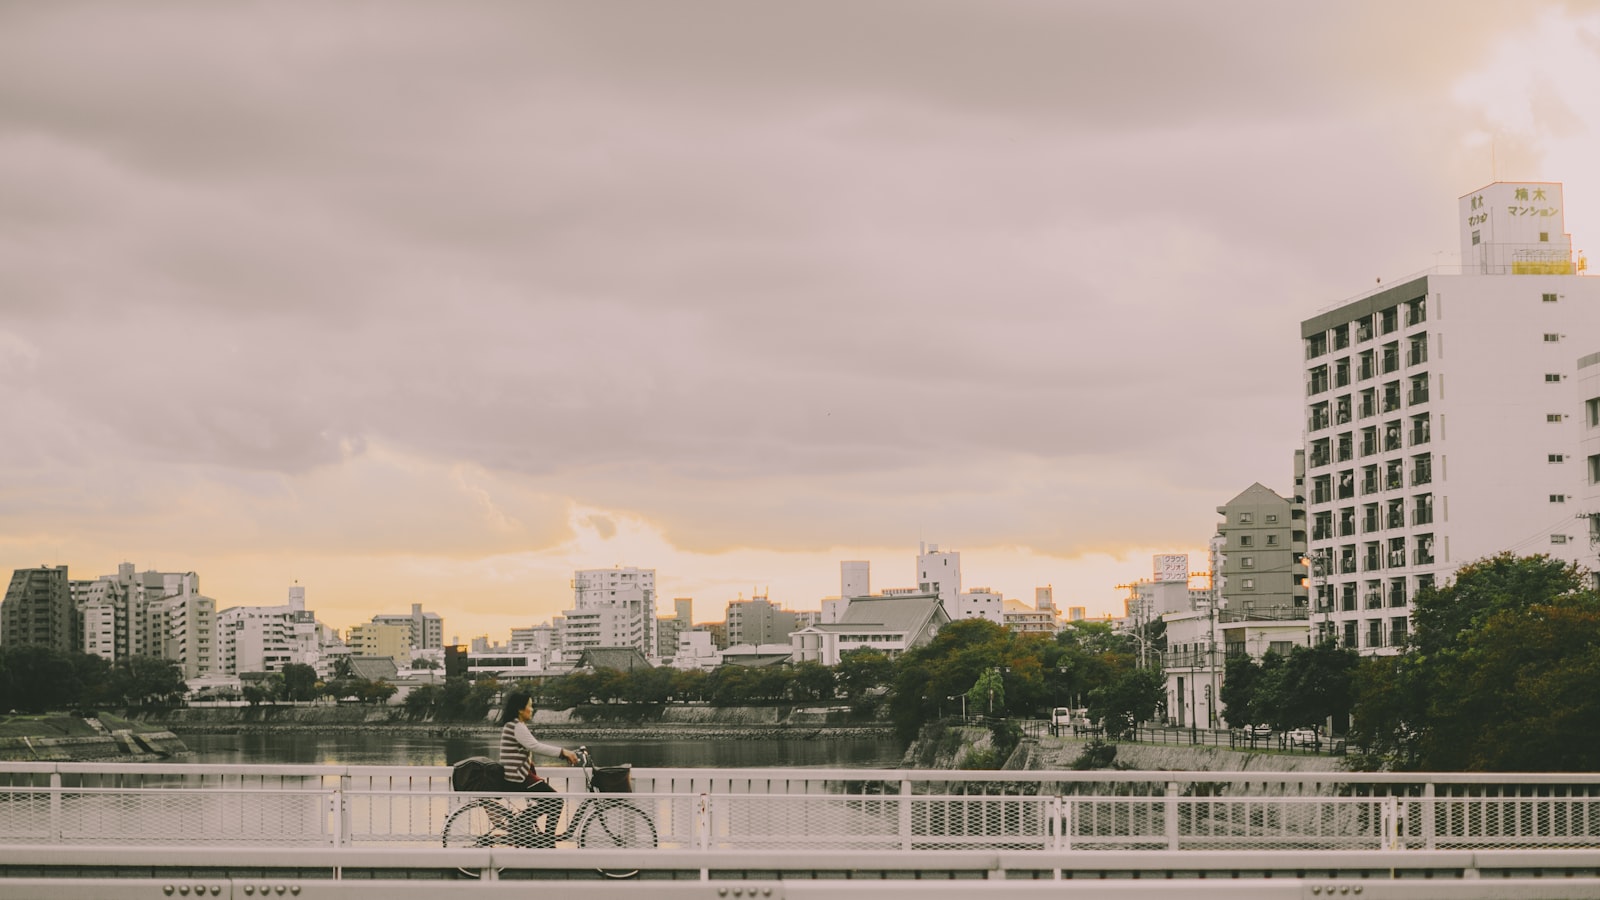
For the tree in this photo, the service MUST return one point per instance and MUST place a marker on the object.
(1498, 676)
(37, 679)
(141, 680)
(1130, 700)
(861, 671)
(299, 682)
(988, 691)
(812, 681)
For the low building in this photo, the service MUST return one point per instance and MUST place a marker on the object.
(890, 624)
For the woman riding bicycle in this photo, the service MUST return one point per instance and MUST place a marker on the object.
(517, 746)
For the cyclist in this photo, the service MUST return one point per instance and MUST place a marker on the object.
(517, 746)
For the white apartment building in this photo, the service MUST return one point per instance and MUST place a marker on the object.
(611, 608)
(939, 573)
(979, 603)
(1444, 417)
(267, 638)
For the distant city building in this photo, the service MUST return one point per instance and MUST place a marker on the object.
(375, 639)
(980, 603)
(1508, 335)
(1025, 619)
(669, 627)
(427, 629)
(38, 610)
(855, 578)
(695, 650)
(1044, 598)
(1077, 613)
(940, 574)
(267, 638)
(1263, 539)
(759, 621)
(611, 608)
(891, 624)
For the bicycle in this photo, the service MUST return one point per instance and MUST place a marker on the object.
(601, 820)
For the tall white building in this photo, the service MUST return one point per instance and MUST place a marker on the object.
(1444, 417)
(267, 638)
(611, 608)
(940, 573)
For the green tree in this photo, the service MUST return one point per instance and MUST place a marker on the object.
(424, 701)
(299, 682)
(375, 692)
(690, 684)
(1128, 701)
(144, 680)
(862, 671)
(38, 679)
(812, 681)
(988, 693)
(1499, 674)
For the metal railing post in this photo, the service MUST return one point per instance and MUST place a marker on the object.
(905, 814)
(1428, 808)
(1171, 806)
(1391, 823)
(341, 820)
(702, 825)
(55, 807)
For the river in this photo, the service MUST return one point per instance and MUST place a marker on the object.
(377, 748)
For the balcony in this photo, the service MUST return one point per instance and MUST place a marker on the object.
(1421, 434)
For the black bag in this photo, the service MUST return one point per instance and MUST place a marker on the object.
(477, 773)
(614, 780)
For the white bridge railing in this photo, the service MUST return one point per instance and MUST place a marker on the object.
(819, 811)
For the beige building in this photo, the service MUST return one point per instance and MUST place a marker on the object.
(371, 639)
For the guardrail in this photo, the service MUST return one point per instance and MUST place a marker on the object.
(242, 873)
(822, 811)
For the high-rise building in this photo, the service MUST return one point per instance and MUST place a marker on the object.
(669, 627)
(1444, 419)
(611, 608)
(267, 638)
(427, 629)
(855, 578)
(1262, 541)
(374, 639)
(38, 610)
(940, 573)
(759, 621)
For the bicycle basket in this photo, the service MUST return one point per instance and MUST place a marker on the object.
(614, 780)
(477, 773)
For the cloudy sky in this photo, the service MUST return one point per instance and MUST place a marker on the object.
(439, 302)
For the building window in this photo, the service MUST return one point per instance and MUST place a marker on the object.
(1557, 457)
(1248, 584)
(1246, 540)
(1558, 539)
(1544, 237)
(1548, 298)
(1551, 338)
(1474, 239)
(1593, 408)
(1246, 518)
(1272, 540)
(1272, 518)
(1554, 417)
(1247, 562)
(1552, 377)
(1558, 498)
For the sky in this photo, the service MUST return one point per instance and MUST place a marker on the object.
(438, 303)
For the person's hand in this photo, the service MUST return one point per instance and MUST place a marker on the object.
(570, 756)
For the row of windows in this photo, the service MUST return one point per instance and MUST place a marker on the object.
(1370, 402)
(1377, 593)
(1391, 436)
(1367, 364)
(1375, 556)
(1246, 518)
(1375, 478)
(1325, 525)
(1384, 321)
(1391, 632)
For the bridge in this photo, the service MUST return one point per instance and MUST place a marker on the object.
(84, 830)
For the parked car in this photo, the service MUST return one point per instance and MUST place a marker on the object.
(1304, 737)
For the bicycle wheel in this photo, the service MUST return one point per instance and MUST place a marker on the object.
(617, 824)
(480, 823)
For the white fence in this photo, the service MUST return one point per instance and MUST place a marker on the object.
(819, 811)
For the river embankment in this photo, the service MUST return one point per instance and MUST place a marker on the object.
(941, 747)
(86, 739)
(711, 723)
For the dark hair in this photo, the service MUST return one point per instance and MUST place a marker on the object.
(515, 701)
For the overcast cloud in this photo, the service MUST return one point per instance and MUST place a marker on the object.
(436, 302)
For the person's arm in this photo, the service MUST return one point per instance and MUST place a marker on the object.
(526, 739)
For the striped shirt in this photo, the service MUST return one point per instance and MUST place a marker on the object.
(517, 746)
